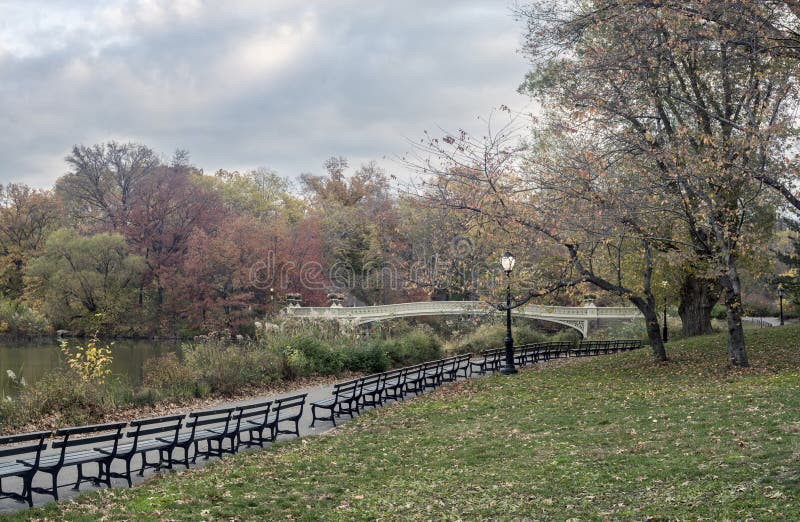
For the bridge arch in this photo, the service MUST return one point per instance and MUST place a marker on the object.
(578, 318)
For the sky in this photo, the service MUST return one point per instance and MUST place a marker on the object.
(277, 84)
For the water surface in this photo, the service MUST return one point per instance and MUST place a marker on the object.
(33, 359)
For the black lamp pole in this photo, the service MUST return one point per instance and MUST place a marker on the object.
(508, 264)
(780, 300)
(665, 331)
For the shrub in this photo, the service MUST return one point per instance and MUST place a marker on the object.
(719, 312)
(92, 363)
(165, 376)
(225, 367)
(316, 356)
(419, 345)
(367, 358)
(65, 397)
(492, 336)
(20, 320)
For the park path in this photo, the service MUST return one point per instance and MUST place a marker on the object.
(68, 475)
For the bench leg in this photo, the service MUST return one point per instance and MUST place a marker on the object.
(77, 485)
(128, 471)
(27, 491)
(55, 485)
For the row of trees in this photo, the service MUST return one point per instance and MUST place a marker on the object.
(130, 244)
(664, 154)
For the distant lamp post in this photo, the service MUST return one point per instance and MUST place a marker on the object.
(780, 301)
(665, 330)
(507, 261)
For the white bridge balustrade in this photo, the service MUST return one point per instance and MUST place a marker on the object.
(575, 317)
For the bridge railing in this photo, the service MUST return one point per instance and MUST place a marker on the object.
(465, 307)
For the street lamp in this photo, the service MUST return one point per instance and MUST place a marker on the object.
(780, 301)
(507, 262)
(665, 330)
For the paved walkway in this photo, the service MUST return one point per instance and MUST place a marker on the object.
(67, 476)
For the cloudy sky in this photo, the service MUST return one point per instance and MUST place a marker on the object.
(243, 84)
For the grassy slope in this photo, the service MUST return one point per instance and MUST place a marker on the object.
(612, 437)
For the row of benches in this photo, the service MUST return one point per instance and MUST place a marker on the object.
(494, 359)
(349, 397)
(220, 431)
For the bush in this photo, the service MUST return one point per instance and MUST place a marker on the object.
(224, 367)
(367, 358)
(492, 336)
(20, 320)
(65, 397)
(308, 355)
(719, 312)
(165, 376)
(419, 345)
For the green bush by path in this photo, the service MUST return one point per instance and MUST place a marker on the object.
(492, 335)
(603, 438)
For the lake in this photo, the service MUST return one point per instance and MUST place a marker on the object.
(35, 358)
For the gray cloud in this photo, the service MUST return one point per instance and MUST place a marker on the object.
(246, 84)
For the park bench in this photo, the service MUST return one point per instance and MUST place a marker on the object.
(489, 363)
(209, 426)
(555, 350)
(25, 450)
(455, 366)
(287, 410)
(253, 419)
(527, 353)
(151, 434)
(372, 387)
(432, 374)
(77, 448)
(344, 401)
(632, 344)
(414, 379)
(394, 384)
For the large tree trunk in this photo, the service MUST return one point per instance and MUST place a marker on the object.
(698, 296)
(648, 309)
(737, 355)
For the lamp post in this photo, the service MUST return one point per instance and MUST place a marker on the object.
(664, 329)
(507, 261)
(780, 301)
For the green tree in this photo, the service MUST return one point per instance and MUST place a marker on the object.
(86, 282)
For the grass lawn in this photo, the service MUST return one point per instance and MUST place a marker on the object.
(606, 438)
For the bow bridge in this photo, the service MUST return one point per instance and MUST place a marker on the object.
(572, 316)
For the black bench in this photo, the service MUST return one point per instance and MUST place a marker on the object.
(489, 363)
(394, 384)
(209, 426)
(432, 374)
(253, 419)
(455, 367)
(287, 410)
(77, 452)
(372, 387)
(414, 379)
(344, 401)
(27, 446)
(151, 434)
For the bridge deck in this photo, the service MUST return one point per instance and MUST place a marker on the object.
(572, 316)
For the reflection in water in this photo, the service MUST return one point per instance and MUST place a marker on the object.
(36, 358)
